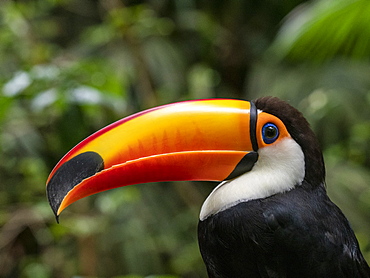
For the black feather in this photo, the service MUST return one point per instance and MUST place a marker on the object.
(299, 233)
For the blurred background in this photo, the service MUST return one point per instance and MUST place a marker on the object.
(68, 68)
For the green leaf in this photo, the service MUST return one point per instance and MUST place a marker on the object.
(322, 30)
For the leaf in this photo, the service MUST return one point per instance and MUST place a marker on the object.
(322, 30)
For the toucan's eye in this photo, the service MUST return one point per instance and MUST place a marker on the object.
(270, 133)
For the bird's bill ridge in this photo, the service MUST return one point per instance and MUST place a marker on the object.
(192, 140)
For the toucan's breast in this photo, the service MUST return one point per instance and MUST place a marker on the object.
(289, 234)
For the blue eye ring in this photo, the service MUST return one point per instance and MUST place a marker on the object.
(270, 133)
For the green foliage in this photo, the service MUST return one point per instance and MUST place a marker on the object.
(323, 30)
(68, 68)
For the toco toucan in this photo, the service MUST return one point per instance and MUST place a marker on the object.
(269, 217)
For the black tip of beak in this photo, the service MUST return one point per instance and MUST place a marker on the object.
(245, 165)
(69, 175)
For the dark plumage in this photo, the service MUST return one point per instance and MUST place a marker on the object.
(299, 233)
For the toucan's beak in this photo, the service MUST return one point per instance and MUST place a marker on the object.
(191, 140)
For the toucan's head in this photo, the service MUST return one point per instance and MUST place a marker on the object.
(257, 148)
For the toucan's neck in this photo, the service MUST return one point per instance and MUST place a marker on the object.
(279, 168)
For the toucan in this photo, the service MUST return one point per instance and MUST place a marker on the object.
(269, 217)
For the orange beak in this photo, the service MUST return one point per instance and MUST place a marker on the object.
(211, 140)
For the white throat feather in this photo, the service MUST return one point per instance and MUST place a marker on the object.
(280, 167)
